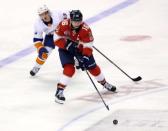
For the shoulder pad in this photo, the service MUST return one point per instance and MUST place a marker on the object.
(65, 22)
(85, 27)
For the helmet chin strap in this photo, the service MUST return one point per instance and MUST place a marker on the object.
(75, 27)
(48, 22)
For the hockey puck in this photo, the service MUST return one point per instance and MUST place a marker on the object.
(115, 122)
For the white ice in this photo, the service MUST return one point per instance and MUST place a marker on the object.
(27, 104)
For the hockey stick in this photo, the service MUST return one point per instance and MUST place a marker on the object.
(97, 91)
(133, 79)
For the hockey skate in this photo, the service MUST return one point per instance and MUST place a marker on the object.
(34, 71)
(59, 96)
(109, 87)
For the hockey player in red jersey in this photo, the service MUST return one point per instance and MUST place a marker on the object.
(74, 39)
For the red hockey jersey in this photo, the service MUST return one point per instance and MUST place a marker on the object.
(83, 36)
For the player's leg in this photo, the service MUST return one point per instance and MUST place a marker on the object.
(67, 61)
(97, 73)
(43, 53)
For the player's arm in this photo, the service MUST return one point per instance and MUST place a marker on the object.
(61, 39)
(86, 40)
(59, 36)
(38, 37)
(38, 42)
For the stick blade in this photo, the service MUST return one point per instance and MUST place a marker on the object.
(107, 107)
(137, 79)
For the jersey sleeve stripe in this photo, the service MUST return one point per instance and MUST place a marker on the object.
(88, 45)
(37, 40)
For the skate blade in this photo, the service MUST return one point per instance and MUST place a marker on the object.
(59, 101)
(116, 91)
(113, 92)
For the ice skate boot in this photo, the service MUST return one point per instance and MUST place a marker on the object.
(34, 71)
(59, 96)
(109, 87)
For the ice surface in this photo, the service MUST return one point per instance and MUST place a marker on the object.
(27, 104)
(134, 120)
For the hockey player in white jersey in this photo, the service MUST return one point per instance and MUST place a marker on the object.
(43, 34)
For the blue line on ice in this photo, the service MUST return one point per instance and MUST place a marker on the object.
(27, 51)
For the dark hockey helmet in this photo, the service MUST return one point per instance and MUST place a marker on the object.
(76, 15)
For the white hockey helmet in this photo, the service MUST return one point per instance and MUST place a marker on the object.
(42, 9)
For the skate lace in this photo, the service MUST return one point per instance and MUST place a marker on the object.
(108, 86)
(60, 93)
(35, 69)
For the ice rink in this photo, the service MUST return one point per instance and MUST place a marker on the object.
(132, 33)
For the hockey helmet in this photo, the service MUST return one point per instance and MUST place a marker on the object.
(42, 9)
(76, 15)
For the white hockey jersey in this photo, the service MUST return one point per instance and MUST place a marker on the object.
(41, 28)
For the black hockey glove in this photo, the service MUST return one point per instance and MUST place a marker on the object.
(71, 46)
(83, 62)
